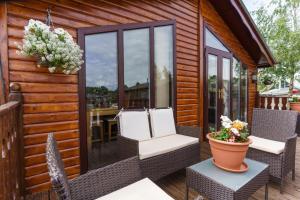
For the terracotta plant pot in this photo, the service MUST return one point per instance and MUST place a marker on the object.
(295, 106)
(229, 155)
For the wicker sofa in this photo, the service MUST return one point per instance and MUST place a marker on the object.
(274, 141)
(174, 152)
(121, 180)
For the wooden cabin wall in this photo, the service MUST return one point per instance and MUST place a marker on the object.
(219, 27)
(51, 100)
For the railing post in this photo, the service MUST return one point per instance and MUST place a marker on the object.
(280, 105)
(266, 102)
(273, 103)
(16, 95)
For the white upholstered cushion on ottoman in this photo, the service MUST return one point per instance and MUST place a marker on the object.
(144, 189)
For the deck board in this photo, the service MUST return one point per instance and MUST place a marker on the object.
(174, 184)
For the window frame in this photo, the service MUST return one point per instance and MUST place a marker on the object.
(119, 29)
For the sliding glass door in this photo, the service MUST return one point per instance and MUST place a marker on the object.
(126, 66)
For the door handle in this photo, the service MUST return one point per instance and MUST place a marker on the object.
(221, 93)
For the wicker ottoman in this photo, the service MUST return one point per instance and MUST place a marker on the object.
(215, 183)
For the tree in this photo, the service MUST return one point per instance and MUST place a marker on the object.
(280, 29)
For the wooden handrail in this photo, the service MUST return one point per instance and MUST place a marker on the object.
(11, 146)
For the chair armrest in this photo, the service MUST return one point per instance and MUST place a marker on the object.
(102, 181)
(189, 131)
(289, 153)
(127, 147)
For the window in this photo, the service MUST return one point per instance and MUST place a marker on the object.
(130, 67)
(101, 70)
(136, 68)
(239, 90)
(126, 66)
(212, 41)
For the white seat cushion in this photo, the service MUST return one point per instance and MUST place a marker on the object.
(135, 125)
(161, 145)
(144, 189)
(267, 145)
(162, 122)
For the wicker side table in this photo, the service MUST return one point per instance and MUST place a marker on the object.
(217, 184)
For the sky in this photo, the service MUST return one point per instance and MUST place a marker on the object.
(255, 4)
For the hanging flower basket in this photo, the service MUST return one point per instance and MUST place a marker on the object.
(54, 49)
(229, 146)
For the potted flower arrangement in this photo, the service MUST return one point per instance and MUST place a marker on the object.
(294, 103)
(229, 145)
(53, 48)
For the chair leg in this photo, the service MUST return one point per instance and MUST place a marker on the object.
(186, 193)
(281, 186)
(293, 174)
(109, 132)
(266, 192)
(102, 133)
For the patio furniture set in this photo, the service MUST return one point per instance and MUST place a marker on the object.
(154, 147)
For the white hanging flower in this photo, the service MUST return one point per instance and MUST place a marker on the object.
(56, 48)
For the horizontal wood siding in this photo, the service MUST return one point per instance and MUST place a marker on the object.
(219, 27)
(51, 100)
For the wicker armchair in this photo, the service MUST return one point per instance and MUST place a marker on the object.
(162, 165)
(279, 126)
(93, 184)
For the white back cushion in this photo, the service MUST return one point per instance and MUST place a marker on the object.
(162, 122)
(135, 125)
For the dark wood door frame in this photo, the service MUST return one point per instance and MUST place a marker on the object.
(81, 33)
(220, 55)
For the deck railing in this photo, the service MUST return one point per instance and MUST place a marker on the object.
(274, 103)
(11, 147)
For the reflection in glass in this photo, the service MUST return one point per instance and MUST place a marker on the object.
(101, 70)
(136, 68)
(212, 90)
(225, 92)
(243, 100)
(235, 90)
(163, 48)
(101, 97)
(212, 41)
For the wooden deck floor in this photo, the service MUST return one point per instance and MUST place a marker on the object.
(175, 184)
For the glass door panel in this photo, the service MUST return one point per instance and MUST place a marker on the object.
(225, 89)
(136, 68)
(101, 97)
(244, 91)
(163, 61)
(235, 89)
(212, 71)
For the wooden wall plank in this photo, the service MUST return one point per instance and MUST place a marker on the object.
(3, 53)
